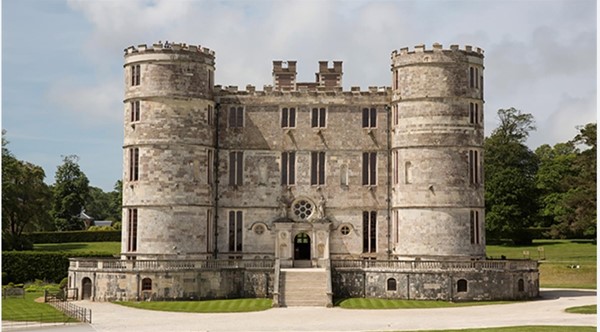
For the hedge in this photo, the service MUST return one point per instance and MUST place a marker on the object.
(23, 266)
(73, 236)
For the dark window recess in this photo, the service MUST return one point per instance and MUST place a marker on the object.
(288, 168)
(369, 174)
(236, 117)
(369, 231)
(235, 230)
(288, 117)
(317, 168)
(369, 119)
(236, 168)
(318, 117)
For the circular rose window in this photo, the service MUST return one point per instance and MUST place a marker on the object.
(303, 209)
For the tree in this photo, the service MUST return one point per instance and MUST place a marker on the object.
(510, 168)
(71, 192)
(25, 199)
(103, 205)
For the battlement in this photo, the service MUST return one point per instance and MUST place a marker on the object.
(324, 67)
(290, 66)
(269, 90)
(438, 48)
(169, 47)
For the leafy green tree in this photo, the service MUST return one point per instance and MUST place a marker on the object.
(71, 192)
(116, 202)
(103, 205)
(510, 168)
(25, 199)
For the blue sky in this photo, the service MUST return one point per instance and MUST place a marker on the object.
(62, 80)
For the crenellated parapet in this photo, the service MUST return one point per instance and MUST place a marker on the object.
(436, 48)
(169, 47)
(269, 90)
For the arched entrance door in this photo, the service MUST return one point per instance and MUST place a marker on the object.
(302, 247)
(86, 287)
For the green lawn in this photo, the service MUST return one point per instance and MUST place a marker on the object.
(372, 303)
(113, 248)
(26, 309)
(563, 263)
(235, 305)
(586, 309)
(526, 329)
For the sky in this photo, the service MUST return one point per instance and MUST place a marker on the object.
(62, 60)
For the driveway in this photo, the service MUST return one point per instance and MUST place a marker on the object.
(549, 310)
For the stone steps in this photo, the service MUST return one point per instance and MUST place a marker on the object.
(304, 287)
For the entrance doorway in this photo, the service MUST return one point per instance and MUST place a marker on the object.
(302, 247)
(86, 287)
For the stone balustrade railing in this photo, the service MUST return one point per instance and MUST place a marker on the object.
(482, 265)
(165, 265)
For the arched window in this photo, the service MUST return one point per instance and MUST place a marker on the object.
(521, 285)
(461, 286)
(146, 284)
(392, 285)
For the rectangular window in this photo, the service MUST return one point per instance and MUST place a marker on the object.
(317, 168)
(472, 77)
(369, 175)
(318, 117)
(235, 231)
(474, 174)
(395, 168)
(288, 168)
(209, 167)
(132, 224)
(288, 117)
(210, 116)
(395, 114)
(369, 118)
(209, 231)
(396, 79)
(135, 111)
(474, 116)
(476, 78)
(369, 231)
(236, 117)
(236, 168)
(135, 75)
(211, 79)
(134, 164)
(396, 229)
(475, 239)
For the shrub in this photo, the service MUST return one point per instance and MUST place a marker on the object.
(22, 266)
(74, 236)
(14, 242)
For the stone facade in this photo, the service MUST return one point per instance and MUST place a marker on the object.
(303, 174)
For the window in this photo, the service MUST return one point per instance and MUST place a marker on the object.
(318, 117)
(369, 169)
(396, 79)
(235, 230)
(146, 284)
(132, 224)
(472, 77)
(236, 117)
(135, 111)
(134, 164)
(211, 79)
(236, 168)
(345, 230)
(135, 75)
(461, 286)
(395, 167)
(476, 78)
(209, 167)
(344, 175)
(369, 231)
(288, 117)
(396, 217)
(407, 172)
(369, 118)
(395, 114)
(210, 115)
(317, 168)
(392, 285)
(474, 177)
(521, 285)
(303, 209)
(288, 168)
(209, 231)
(474, 115)
(474, 219)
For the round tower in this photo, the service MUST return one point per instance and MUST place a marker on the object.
(437, 153)
(168, 152)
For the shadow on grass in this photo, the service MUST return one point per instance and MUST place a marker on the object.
(553, 294)
(61, 247)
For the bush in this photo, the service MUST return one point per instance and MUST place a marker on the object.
(14, 242)
(74, 236)
(23, 266)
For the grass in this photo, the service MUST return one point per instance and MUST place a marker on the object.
(563, 264)
(113, 248)
(586, 309)
(210, 306)
(526, 329)
(372, 303)
(26, 309)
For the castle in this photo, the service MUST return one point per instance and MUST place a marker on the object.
(303, 191)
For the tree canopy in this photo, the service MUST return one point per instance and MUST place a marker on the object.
(71, 192)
